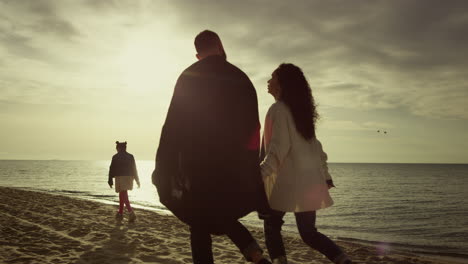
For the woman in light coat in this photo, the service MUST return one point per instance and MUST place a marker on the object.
(294, 167)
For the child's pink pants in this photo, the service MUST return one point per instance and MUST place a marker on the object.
(123, 200)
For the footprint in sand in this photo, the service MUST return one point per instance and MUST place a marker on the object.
(78, 233)
(159, 260)
(24, 260)
(153, 241)
(36, 250)
(178, 244)
(98, 237)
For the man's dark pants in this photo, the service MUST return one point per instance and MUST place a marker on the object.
(201, 243)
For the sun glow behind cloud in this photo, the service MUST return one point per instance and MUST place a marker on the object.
(148, 60)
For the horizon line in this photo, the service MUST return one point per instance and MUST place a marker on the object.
(338, 162)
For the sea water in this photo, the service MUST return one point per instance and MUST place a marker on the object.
(421, 208)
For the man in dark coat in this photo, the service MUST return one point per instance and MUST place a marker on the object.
(207, 165)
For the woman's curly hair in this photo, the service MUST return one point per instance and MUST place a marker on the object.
(297, 95)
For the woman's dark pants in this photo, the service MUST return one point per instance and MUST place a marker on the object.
(305, 221)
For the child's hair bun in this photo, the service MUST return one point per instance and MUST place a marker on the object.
(121, 143)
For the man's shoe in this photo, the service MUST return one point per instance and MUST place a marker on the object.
(342, 259)
(280, 260)
(264, 261)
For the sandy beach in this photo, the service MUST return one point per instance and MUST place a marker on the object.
(38, 227)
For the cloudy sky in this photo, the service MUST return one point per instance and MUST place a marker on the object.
(75, 76)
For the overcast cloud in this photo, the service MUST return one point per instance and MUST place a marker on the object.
(410, 57)
(383, 54)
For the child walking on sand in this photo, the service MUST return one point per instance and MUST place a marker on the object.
(123, 169)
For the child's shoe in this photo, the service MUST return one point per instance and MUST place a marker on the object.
(132, 217)
(118, 216)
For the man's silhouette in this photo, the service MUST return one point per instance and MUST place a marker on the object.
(207, 166)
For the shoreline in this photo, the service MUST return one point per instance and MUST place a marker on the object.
(40, 227)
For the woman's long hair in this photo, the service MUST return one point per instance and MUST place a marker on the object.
(297, 95)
